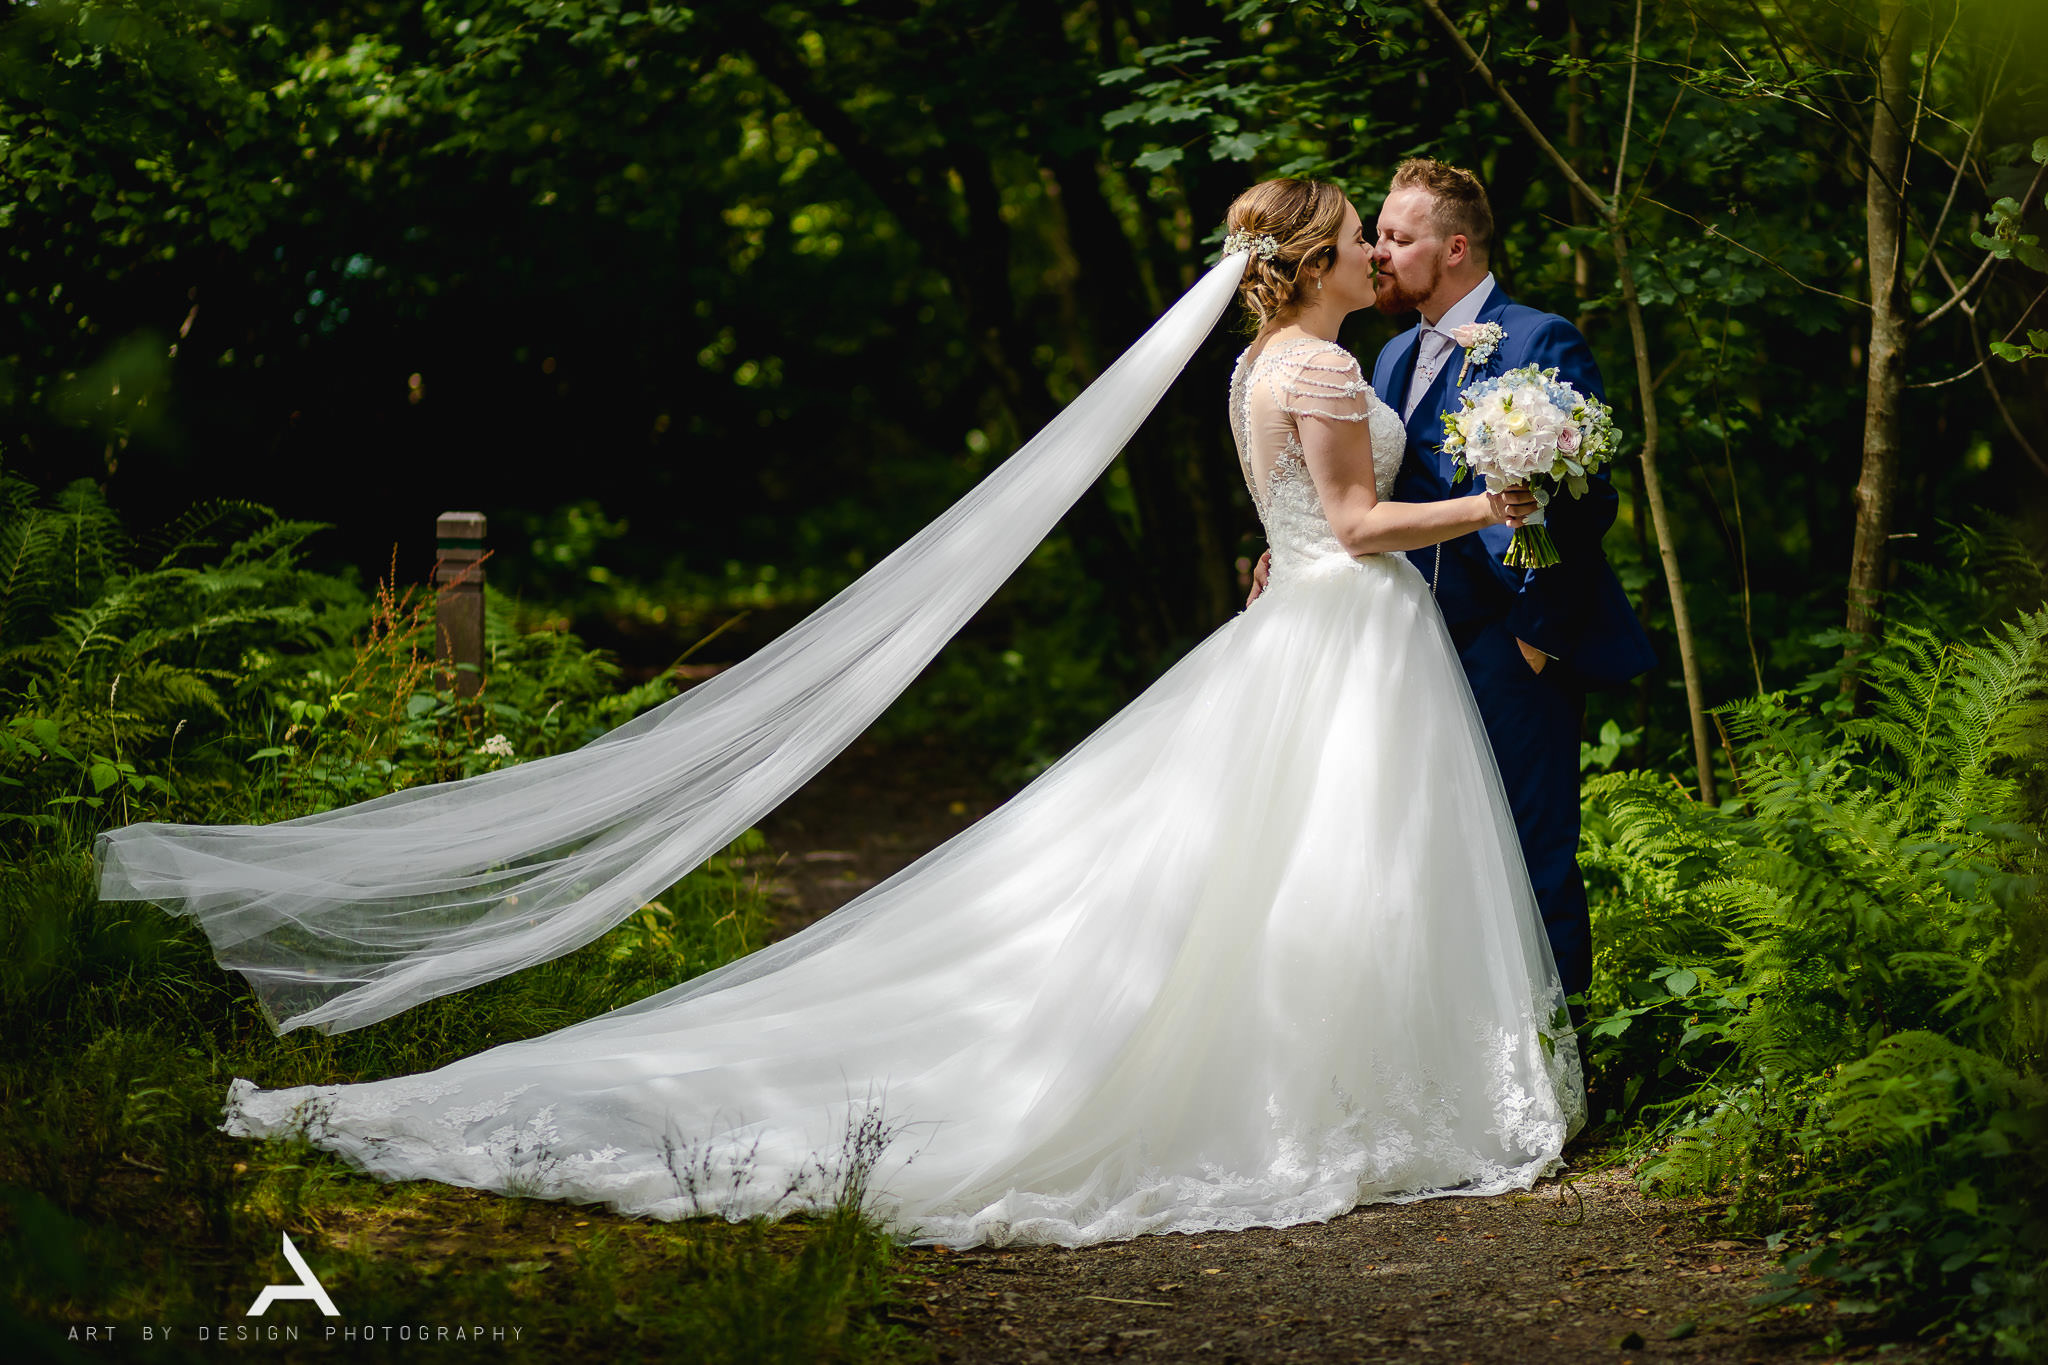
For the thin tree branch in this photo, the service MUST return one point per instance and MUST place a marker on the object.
(1985, 266)
(1663, 130)
(1998, 401)
(1962, 169)
(2025, 313)
(1628, 110)
(1849, 129)
(1954, 378)
(1670, 369)
(1941, 219)
(1736, 533)
(1514, 108)
(1971, 313)
(1941, 269)
(1920, 103)
(1714, 231)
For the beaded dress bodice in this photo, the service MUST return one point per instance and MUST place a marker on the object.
(1303, 379)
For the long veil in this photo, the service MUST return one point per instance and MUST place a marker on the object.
(349, 916)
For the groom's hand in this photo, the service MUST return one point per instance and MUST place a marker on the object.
(1531, 655)
(1259, 572)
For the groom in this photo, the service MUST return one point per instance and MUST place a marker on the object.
(1532, 640)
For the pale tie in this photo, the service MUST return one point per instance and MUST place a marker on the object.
(1433, 350)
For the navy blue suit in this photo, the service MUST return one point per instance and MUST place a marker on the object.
(1575, 611)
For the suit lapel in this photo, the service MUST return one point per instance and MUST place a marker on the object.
(1400, 367)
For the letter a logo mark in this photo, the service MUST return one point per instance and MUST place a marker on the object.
(308, 1286)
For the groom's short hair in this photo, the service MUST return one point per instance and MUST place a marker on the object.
(1460, 200)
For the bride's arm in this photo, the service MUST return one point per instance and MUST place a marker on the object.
(1339, 457)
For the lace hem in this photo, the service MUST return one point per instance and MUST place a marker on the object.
(1352, 1168)
(1500, 1125)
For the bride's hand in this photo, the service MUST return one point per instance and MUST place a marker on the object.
(1260, 571)
(1514, 505)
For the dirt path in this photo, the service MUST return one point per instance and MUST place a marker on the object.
(1581, 1269)
(869, 814)
(1590, 1273)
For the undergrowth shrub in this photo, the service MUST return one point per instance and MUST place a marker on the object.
(1821, 1002)
(204, 673)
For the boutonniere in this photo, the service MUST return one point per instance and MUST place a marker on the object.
(1480, 340)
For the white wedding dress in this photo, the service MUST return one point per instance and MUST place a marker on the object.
(1258, 951)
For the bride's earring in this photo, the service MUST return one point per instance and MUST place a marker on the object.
(1319, 284)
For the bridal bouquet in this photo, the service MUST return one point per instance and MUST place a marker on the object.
(1529, 428)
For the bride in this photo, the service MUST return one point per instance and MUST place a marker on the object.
(1229, 963)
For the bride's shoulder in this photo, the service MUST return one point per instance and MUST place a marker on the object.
(1302, 354)
(1313, 377)
(1326, 369)
(1328, 357)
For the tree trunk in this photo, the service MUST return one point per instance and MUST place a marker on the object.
(1886, 375)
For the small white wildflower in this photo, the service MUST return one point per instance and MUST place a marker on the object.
(497, 746)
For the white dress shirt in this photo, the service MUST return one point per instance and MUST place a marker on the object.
(1433, 350)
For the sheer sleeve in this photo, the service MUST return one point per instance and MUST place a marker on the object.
(1327, 383)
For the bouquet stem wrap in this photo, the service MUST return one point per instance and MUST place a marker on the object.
(1531, 547)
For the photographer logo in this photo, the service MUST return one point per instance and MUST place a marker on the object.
(308, 1286)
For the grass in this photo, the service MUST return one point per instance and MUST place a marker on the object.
(125, 1207)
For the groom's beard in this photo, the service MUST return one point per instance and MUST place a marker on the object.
(1397, 296)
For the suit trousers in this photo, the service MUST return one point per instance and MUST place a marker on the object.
(1533, 721)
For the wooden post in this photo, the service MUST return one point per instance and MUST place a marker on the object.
(459, 600)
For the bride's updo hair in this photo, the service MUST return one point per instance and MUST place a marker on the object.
(1303, 217)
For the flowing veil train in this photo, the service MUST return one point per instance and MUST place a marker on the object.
(1228, 963)
(1259, 949)
(350, 916)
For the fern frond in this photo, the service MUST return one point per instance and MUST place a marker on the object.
(95, 542)
(204, 530)
(273, 545)
(29, 543)
(1910, 1086)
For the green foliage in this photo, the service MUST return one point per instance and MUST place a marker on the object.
(2009, 240)
(771, 284)
(1824, 998)
(126, 666)
(202, 673)
(206, 666)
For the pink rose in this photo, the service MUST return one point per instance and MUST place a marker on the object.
(1568, 439)
(1469, 333)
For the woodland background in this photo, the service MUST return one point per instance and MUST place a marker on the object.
(710, 307)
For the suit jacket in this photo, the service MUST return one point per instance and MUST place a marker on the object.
(1575, 611)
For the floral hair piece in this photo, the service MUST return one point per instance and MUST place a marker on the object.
(1266, 245)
